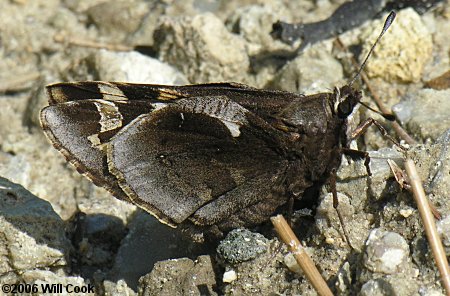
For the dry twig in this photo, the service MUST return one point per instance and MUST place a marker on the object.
(403, 180)
(429, 224)
(288, 237)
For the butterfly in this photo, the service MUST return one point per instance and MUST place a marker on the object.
(206, 157)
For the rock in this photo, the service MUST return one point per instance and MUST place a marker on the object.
(229, 276)
(67, 284)
(313, 71)
(202, 48)
(344, 279)
(135, 67)
(382, 182)
(292, 264)
(26, 242)
(143, 36)
(433, 163)
(443, 228)
(425, 113)
(389, 286)
(356, 190)
(378, 161)
(242, 245)
(118, 18)
(388, 268)
(147, 242)
(431, 292)
(264, 275)
(117, 289)
(386, 252)
(15, 37)
(254, 24)
(402, 52)
(180, 277)
(98, 229)
(101, 202)
(328, 223)
(97, 238)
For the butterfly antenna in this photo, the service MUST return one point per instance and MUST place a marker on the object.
(386, 116)
(390, 18)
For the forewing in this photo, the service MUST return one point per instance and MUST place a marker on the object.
(264, 103)
(79, 130)
(178, 159)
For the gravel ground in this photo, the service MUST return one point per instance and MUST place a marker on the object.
(58, 228)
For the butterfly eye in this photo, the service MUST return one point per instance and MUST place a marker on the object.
(345, 108)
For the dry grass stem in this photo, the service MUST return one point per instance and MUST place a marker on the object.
(429, 224)
(288, 237)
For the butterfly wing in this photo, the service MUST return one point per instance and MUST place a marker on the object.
(179, 152)
(260, 101)
(182, 160)
(78, 129)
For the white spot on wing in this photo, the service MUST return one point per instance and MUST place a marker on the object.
(111, 92)
(233, 128)
(182, 119)
(232, 115)
(158, 106)
(94, 139)
(110, 117)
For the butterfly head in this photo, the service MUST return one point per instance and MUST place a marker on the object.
(346, 99)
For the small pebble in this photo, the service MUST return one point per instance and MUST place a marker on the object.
(386, 252)
(229, 276)
(241, 245)
(292, 264)
(406, 212)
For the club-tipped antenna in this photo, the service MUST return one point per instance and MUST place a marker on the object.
(390, 18)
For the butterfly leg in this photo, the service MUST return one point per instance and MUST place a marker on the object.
(358, 154)
(336, 204)
(290, 210)
(363, 126)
